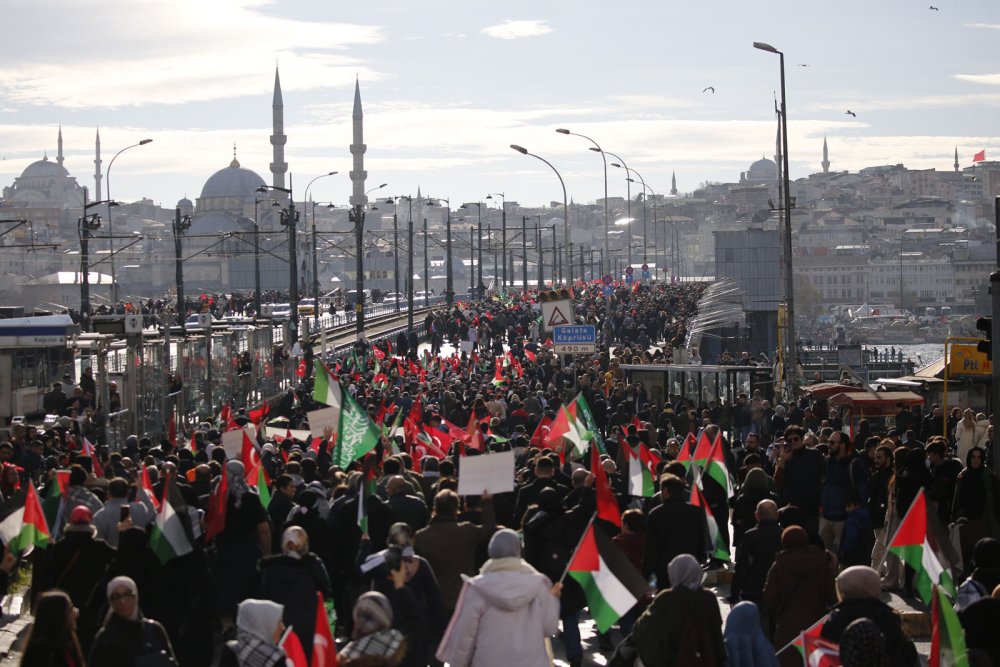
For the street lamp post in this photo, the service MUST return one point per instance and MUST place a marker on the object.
(524, 253)
(315, 274)
(449, 278)
(524, 151)
(479, 257)
(597, 148)
(181, 224)
(357, 216)
(409, 264)
(289, 218)
(503, 235)
(85, 225)
(395, 249)
(628, 199)
(111, 229)
(789, 362)
(256, 250)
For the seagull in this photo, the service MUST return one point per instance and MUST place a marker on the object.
(851, 113)
(933, 8)
(712, 88)
(804, 65)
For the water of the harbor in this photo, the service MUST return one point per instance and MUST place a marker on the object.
(922, 354)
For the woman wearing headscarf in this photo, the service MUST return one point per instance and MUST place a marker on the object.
(858, 592)
(246, 537)
(863, 645)
(977, 500)
(374, 642)
(682, 619)
(258, 630)
(798, 591)
(52, 640)
(508, 599)
(126, 634)
(292, 579)
(746, 645)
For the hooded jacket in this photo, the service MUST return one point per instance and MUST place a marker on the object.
(508, 600)
(799, 590)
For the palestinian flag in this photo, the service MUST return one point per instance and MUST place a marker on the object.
(814, 631)
(171, 535)
(366, 491)
(947, 636)
(380, 382)
(702, 450)
(146, 487)
(607, 506)
(717, 547)
(684, 453)
(716, 467)
(610, 582)
(356, 434)
(326, 388)
(569, 425)
(921, 543)
(258, 479)
(52, 506)
(498, 373)
(529, 355)
(87, 449)
(26, 528)
(640, 471)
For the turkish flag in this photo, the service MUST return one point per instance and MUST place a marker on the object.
(215, 523)
(980, 156)
(324, 652)
(301, 370)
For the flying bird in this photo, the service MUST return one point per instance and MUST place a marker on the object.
(851, 113)
(933, 8)
(804, 65)
(712, 88)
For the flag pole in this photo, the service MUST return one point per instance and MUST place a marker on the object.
(578, 544)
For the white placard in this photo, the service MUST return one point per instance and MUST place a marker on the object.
(493, 472)
(466, 346)
(232, 442)
(320, 419)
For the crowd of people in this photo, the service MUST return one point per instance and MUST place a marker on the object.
(408, 572)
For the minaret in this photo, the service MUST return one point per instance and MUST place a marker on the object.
(59, 154)
(673, 183)
(358, 173)
(826, 157)
(956, 158)
(97, 166)
(278, 138)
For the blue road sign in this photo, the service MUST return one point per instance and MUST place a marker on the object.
(628, 278)
(608, 290)
(574, 339)
(646, 275)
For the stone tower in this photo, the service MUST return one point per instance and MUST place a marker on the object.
(826, 157)
(59, 153)
(358, 173)
(97, 166)
(673, 183)
(278, 138)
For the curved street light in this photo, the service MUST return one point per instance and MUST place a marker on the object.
(597, 148)
(524, 151)
(111, 241)
(789, 347)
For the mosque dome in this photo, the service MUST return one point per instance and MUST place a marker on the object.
(184, 203)
(763, 168)
(233, 181)
(44, 169)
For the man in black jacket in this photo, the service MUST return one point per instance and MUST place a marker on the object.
(798, 476)
(756, 555)
(674, 527)
(527, 495)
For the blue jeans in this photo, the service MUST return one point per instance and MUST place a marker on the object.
(570, 635)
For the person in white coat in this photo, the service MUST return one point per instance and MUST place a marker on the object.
(504, 614)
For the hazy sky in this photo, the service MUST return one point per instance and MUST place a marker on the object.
(447, 85)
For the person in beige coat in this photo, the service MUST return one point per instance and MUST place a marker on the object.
(504, 614)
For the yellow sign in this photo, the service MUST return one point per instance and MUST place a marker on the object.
(967, 360)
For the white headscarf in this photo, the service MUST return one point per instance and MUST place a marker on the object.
(684, 572)
(260, 618)
(128, 583)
